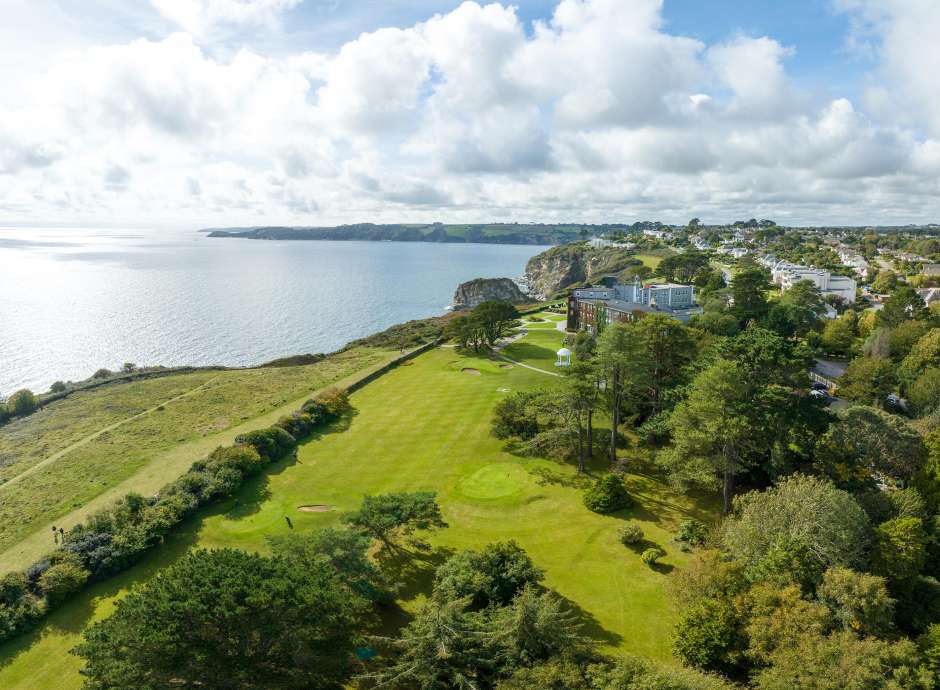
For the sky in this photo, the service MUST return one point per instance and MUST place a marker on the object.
(210, 113)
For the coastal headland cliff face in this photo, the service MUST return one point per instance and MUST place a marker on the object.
(573, 264)
(475, 292)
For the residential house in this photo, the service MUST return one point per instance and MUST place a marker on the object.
(856, 262)
(930, 295)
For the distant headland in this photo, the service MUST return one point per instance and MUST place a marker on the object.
(485, 233)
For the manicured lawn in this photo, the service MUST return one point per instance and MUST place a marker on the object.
(538, 348)
(426, 426)
(547, 316)
(134, 436)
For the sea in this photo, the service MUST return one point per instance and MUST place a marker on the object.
(77, 299)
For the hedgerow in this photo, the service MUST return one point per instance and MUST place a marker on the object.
(115, 538)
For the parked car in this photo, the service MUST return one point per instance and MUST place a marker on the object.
(817, 386)
(821, 394)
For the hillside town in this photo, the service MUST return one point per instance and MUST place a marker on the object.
(849, 268)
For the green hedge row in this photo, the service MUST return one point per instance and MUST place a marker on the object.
(115, 538)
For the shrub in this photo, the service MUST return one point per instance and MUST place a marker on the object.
(513, 416)
(706, 634)
(18, 607)
(271, 443)
(335, 401)
(102, 374)
(692, 532)
(607, 495)
(652, 555)
(243, 458)
(630, 534)
(62, 579)
(22, 403)
(57, 387)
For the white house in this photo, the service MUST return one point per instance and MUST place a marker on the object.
(786, 275)
(856, 262)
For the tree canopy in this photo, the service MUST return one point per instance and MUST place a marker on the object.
(227, 619)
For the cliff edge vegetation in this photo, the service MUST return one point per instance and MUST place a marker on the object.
(572, 264)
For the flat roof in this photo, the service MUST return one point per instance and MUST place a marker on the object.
(621, 305)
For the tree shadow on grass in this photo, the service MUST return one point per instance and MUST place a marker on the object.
(590, 626)
(641, 512)
(548, 476)
(662, 568)
(412, 573)
(528, 353)
(336, 427)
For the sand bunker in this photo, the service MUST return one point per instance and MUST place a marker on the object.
(505, 366)
(315, 508)
(471, 371)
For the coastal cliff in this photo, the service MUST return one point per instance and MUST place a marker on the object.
(474, 292)
(573, 264)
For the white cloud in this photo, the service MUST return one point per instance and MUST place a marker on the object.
(607, 62)
(598, 113)
(199, 16)
(903, 35)
(374, 83)
(752, 68)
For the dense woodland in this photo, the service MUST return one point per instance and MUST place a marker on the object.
(824, 571)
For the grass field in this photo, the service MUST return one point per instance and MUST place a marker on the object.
(538, 348)
(133, 436)
(548, 316)
(651, 260)
(425, 426)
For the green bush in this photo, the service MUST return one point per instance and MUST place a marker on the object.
(22, 403)
(515, 416)
(705, 635)
(19, 608)
(692, 532)
(607, 495)
(102, 374)
(57, 387)
(62, 579)
(652, 555)
(630, 534)
(271, 443)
